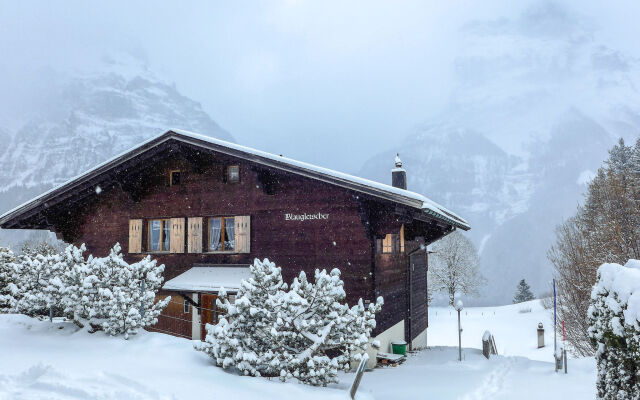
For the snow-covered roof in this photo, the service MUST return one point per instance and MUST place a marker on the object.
(209, 279)
(353, 182)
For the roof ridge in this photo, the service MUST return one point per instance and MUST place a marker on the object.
(426, 204)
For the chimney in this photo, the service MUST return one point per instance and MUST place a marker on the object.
(399, 175)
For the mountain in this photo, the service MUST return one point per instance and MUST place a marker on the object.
(84, 121)
(538, 100)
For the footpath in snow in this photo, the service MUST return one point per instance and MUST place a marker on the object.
(39, 360)
(520, 371)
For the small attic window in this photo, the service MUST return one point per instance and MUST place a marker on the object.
(233, 173)
(174, 177)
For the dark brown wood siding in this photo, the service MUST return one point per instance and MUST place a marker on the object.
(345, 240)
(173, 319)
(338, 242)
(391, 284)
(418, 294)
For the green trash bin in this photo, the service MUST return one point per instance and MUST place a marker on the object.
(399, 347)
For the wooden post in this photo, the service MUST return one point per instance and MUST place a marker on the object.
(459, 338)
(488, 345)
(359, 372)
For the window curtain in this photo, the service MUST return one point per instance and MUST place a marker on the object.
(229, 234)
(166, 235)
(155, 236)
(214, 234)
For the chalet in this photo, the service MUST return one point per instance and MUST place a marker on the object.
(205, 208)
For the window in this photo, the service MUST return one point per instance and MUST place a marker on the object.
(387, 243)
(174, 177)
(233, 173)
(186, 306)
(222, 234)
(159, 235)
(393, 243)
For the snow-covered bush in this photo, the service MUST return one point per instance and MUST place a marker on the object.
(614, 328)
(8, 289)
(39, 280)
(304, 332)
(104, 293)
(110, 294)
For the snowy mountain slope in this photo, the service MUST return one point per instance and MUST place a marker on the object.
(86, 120)
(101, 116)
(545, 99)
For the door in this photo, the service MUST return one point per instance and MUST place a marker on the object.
(209, 312)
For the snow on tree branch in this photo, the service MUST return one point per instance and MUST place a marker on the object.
(103, 293)
(614, 328)
(454, 267)
(301, 332)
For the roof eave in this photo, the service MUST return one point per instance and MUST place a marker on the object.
(189, 139)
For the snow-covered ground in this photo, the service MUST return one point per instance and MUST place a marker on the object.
(520, 371)
(39, 360)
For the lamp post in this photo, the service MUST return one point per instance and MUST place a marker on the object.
(458, 308)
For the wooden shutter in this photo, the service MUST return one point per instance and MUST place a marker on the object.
(194, 235)
(243, 233)
(135, 236)
(378, 246)
(177, 236)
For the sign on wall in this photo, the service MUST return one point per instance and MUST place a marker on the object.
(306, 217)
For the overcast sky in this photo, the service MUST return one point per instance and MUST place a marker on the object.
(327, 82)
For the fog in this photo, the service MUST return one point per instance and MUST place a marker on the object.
(325, 82)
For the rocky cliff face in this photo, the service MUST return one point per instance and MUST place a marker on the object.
(87, 120)
(538, 101)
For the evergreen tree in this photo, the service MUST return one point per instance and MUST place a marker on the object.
(8, 289)
(614, 329)
(606, 228)
(304, 332)
(110, 294)
(523, 292)
(105, 293)
(39, 281)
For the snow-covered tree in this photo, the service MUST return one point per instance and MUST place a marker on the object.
(303, 332)
(523, 292)
(39, 281)
(606, 228)
(8, 289)
(105, 293)
(454, 267)
(614, 328)
(110, 294)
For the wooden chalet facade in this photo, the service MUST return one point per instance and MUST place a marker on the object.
(206, 208)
